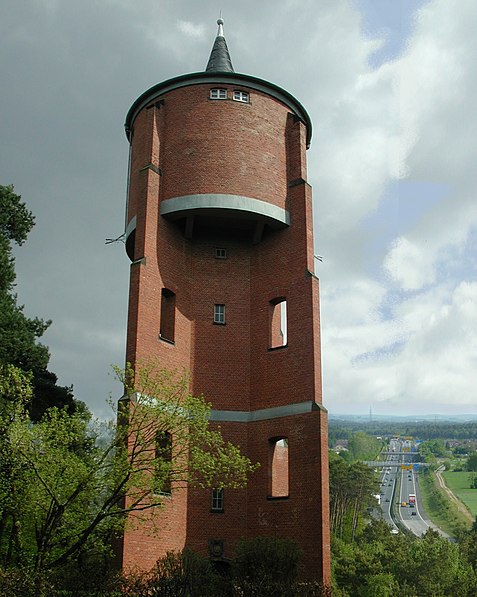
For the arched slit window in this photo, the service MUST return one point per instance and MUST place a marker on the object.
(278, 335)
(163, 463)
(278, 468)
(168, 315)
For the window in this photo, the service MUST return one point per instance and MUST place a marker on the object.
(219, 314)
(163, 462)
(168, 308)
(218, 94)
(217, 500)
(278, 468)
(220, 253)
(241, 96)
(278, 323)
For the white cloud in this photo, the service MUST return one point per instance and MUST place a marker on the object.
(421, 356)
(410, 265)
(397, 314)
(191, 29)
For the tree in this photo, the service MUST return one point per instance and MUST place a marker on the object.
(362, 446)
(82, 480)
(15, 394)
(431, 449)
(472, 462)
(267, 566)
(15, 224)
(435, 567)
(352, 490)
(379, 563)
(19, 334)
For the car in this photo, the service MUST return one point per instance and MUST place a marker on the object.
(394, 531)
(387, 499)
(413, 513)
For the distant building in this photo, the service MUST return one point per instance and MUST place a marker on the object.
(220, 237)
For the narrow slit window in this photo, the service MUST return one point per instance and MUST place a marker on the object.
(219, 314)
(217, 500)
(220, 94)
(168, 315)
(278, 468)
(163, 463)
(278, 323)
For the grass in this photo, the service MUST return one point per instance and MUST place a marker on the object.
(440, 509)
(459, 484)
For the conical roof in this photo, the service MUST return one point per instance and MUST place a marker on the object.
(219, 60)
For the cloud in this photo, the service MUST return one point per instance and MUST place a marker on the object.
(409, 265)
(419, 357)
(399, 270)
(191, 29)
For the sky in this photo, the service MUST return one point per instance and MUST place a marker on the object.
(390, 86)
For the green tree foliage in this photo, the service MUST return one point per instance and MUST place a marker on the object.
(75, 482)
(15, 224)
(381, 564)
(15, 395)
(342, 429)
(472, 462)
(267, 566)
(19, 334)
(362, 446)
(183, 574)
(432, 449)
(352, 490)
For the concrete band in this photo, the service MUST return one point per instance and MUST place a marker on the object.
(235, 203)
(236, 416)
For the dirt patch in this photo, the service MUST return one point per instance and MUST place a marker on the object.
(460, 506)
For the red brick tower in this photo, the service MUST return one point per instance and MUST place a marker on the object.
(219, 232)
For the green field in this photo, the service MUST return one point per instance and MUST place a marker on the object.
(459, 484)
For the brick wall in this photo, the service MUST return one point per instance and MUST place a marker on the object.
(188, 144)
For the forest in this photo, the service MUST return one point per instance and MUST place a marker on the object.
(423, 429)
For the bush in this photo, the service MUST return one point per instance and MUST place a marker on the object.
(183, 574)
(267, 567)
(22, 582)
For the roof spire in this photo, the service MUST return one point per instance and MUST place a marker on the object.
(219, 60)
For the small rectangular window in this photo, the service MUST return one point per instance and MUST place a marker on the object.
(220, 253)
(241, 96)
(218, 94)
(217, 500)
(219, 314)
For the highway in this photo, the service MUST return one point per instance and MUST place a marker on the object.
(388, 486)
(411, 515)
(396, 485)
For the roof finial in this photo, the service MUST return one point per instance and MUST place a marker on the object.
(220, 23)
(219, 60)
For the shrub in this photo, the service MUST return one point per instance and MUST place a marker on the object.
(182, 574)
(22, 582)
(267, 567)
